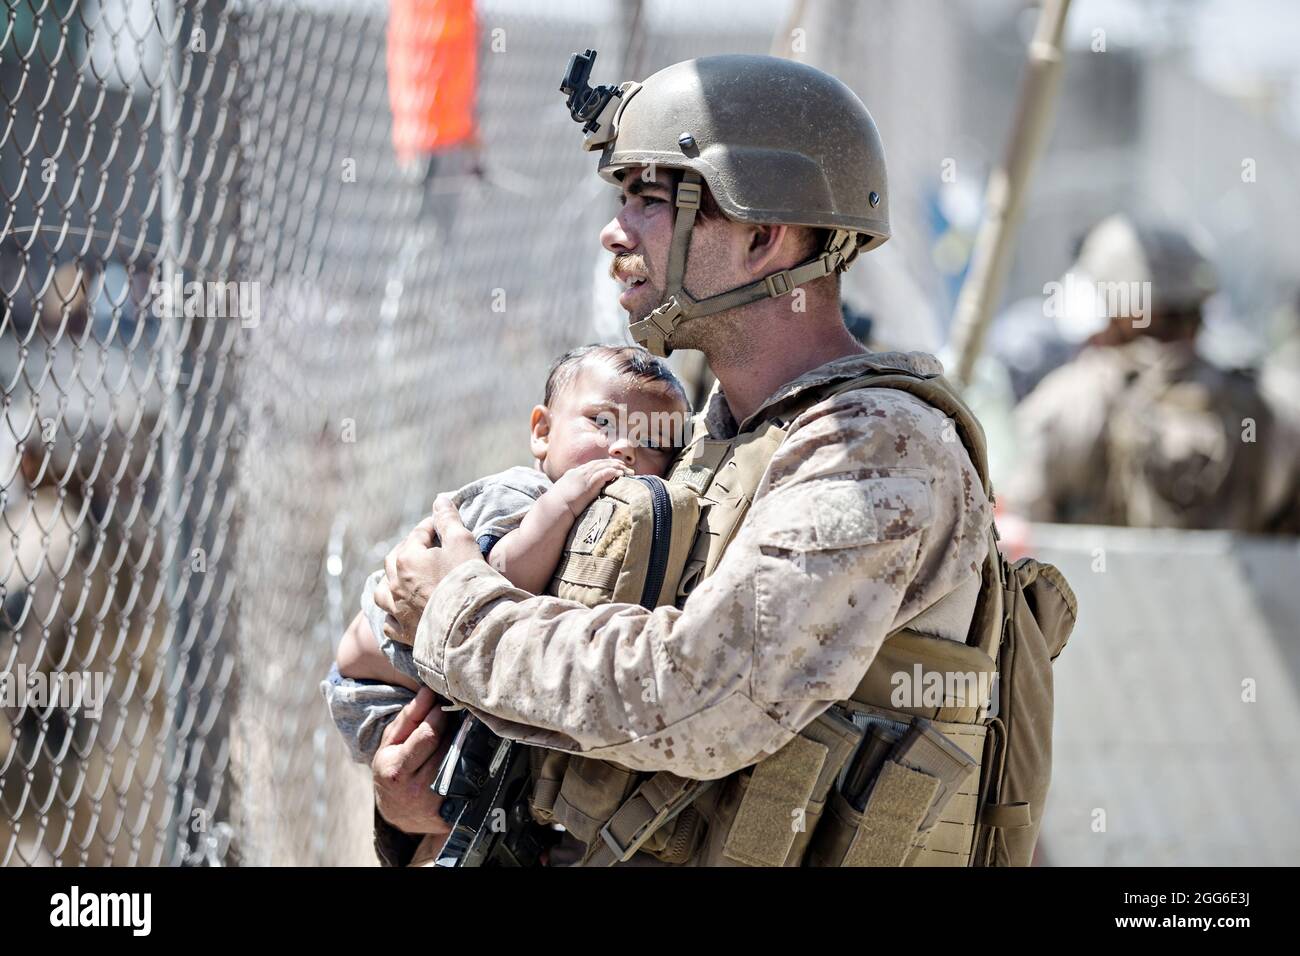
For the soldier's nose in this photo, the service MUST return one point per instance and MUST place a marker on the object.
(617, 239)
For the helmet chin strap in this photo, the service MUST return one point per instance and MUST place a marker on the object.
(656, 330)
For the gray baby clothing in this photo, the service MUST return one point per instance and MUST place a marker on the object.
(490, 507)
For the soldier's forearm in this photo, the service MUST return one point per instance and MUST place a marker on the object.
(598, 681)
(790, 620)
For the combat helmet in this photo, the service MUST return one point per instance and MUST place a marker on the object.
(776, 141)
(1123, 251)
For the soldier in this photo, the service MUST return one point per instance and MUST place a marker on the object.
(1138, 429)
(837, 507)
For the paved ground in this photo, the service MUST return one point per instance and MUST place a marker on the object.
(1151, 725)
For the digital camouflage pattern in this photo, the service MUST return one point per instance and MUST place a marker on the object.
(869, 514)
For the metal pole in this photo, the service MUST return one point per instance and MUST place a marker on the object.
(1007, 187)
(783, 39)
(631, 25)
(170, 355)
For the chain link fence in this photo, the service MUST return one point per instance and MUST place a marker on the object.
(117, 174)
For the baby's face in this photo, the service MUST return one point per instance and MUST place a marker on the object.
(603, 414)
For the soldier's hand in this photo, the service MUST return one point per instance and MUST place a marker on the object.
(417, 566)
(409, 753)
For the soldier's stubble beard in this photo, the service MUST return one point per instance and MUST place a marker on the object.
(719, 336)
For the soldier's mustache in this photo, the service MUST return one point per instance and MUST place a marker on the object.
(629, 264)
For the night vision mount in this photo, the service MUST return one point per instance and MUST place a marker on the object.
(594, 107)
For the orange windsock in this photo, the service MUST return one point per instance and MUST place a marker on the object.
(432, 74)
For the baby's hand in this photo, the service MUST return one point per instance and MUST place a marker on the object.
(578, 487)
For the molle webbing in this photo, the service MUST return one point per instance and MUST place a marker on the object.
(589, 571)
(725, 475)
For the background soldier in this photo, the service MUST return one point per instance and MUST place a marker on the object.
(1139, 429)
(748, 183)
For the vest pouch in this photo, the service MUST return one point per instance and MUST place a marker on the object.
(548, 768)
(589, 794)
(1041, 612)
(835, 834)
(629, 546)
(900, 793)
(766, 814)
(928, 677)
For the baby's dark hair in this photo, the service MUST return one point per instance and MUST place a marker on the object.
(632, 360)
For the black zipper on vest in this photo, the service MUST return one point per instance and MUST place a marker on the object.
(661, 540)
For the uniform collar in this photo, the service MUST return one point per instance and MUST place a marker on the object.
(720, 422)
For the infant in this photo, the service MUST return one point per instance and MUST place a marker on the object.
(607, 411)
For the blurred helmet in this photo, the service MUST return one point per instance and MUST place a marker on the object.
(776, 141)
(1121, 251)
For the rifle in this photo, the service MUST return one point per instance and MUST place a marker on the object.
(484, 781)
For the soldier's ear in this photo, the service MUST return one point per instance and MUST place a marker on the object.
(540, 425)
(765, 246)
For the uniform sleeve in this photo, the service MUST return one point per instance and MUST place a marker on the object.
(867, 514)
(393, 847)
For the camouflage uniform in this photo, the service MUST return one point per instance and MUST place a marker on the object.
(1070, 468)
(870, 513)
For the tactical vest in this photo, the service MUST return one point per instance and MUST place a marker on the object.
(946, 783)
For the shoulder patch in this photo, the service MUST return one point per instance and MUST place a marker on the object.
(848, 512)
(592, 525)
(843, 515)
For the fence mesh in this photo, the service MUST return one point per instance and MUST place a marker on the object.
(116, 170)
